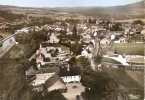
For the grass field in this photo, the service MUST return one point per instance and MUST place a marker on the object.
(138, 76)
(130, 48)
(124, 79)
(130, 20)
(5, 34)
(109, 60)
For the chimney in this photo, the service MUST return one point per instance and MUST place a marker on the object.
(68, 67)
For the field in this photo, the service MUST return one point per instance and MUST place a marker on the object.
(135, 59)
(138, 76)
(109, 60)
(5, 34)
(130, 48)
(130, 20)
(126, 83)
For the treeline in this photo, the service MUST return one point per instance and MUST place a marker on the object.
(32, 40)
(10, 16)
(41, 21)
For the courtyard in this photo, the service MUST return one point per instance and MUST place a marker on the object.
(73, 89)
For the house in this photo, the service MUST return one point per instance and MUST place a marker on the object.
(54, 46)
(86, 38)
(90, 47)
(122, 39)
(84, 53)
(104, 41)
(48, 76)
(70, 74)
(53, 38)
(46, 47)
(112, 36)
(31, 73)
(41, 78)
(4, 27)
(143, 32)
(55, 82)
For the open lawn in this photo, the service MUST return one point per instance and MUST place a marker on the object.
(130, 48)
(109, 60)
(130, 86)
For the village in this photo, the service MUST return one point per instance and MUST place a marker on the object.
(57, 58)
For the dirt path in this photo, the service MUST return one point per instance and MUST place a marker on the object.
(137, 76)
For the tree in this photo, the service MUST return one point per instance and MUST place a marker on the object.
(72, 61)
(115, 51)
(90, 21)
(64, 24)
(54, 95)
(98, 58)
(83, 62)
(116, 27)
(77, 97)
(99, 87)
(138, 22)
(76, 48)
(75, 35)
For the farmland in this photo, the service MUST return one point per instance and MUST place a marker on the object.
(130, 48)
(127, 83)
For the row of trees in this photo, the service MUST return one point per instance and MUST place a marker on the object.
(135, 38)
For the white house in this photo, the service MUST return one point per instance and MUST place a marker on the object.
(70, 74)
(112, 36)
(53, 39)
(84, 53)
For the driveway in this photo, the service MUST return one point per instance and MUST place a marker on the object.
(73, 91)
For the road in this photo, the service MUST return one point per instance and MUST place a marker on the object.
(95, 52)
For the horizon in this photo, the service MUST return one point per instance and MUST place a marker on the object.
(73, 3)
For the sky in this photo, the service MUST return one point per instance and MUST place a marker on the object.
(65, 3)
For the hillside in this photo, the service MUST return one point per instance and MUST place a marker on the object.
(130, 9)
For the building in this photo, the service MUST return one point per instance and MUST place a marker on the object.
(86, 38)
(53, 38)
(70, 74)
(104, 41)
(48, 77)
(55, 83)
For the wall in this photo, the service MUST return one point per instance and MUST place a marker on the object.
(68, 79)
